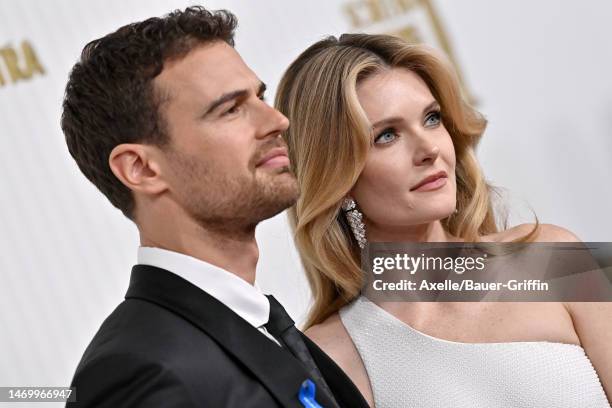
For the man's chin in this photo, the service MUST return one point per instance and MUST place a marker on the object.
(287, 191)
(281, 192)
(273, 176)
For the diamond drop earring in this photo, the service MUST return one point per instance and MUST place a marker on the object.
(355, 220)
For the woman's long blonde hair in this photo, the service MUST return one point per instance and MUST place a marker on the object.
(329, 138)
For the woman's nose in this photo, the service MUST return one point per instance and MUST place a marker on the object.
(426, 152)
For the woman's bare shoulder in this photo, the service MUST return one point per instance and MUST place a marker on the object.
(330, 335)
(546, 233)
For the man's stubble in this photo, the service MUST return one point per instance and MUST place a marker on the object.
(226, 202)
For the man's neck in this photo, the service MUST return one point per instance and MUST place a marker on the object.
(233, 251)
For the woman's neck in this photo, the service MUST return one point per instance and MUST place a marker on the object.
(428, 232)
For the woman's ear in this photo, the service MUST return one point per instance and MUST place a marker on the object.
(137, 167)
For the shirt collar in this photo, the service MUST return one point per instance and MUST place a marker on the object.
(244, 299)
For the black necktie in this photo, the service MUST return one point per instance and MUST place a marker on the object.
(281, 326)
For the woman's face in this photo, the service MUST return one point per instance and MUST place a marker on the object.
(409, 144)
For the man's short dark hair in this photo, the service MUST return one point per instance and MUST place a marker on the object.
(110, 98)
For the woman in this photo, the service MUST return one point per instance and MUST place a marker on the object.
(372, 118)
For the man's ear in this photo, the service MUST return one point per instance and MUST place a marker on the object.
(137, 167)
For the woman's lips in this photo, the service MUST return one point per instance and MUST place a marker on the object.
(432, 185)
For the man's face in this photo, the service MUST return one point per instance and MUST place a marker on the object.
(226, 165)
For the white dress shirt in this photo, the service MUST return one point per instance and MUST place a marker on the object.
(244, 299)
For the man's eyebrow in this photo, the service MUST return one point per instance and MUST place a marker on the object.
(241, 93)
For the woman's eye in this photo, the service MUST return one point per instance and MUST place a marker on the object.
(387, 136)
(433, 119)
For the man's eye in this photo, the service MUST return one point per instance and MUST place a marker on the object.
(433, 119)
(386, 136)
(232, 110)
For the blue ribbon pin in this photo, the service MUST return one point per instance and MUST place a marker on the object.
(307, 395)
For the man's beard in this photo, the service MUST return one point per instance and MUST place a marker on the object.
(232, 203)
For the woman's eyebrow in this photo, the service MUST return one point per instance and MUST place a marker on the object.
(387, 121)
(396, 119)
(432, 105)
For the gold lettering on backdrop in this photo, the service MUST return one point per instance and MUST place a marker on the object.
(366, 12)
(376, 10)
(20, 64)
(383, 16)
(33, 66)
(9, 56)
(408, 33)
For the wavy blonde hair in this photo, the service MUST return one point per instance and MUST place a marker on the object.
(329, 139)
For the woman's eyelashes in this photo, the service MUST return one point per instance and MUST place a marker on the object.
(433, 118)
(386, 136)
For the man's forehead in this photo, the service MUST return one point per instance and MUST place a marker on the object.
(208, 70)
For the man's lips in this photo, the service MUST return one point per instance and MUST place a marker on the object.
(276, 157)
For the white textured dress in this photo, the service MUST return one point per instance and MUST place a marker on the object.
(409, 369)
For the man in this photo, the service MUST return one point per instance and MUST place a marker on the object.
(165, 118)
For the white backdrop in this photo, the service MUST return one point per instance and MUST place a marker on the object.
(539, 70)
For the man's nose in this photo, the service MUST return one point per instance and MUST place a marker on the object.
(272, 122)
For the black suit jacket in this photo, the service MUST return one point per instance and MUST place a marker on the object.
(170, 344)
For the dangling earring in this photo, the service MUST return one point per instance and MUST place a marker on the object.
(355, 220)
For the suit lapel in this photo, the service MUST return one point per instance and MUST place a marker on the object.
(279, 372)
